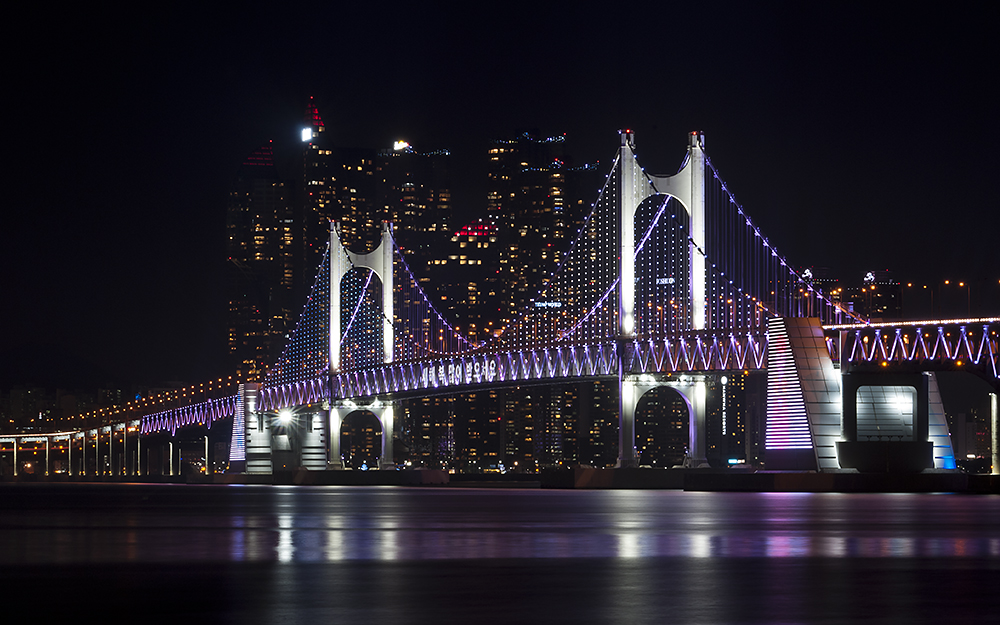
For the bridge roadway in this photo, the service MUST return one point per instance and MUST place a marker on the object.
(971, 345)
(698, 352)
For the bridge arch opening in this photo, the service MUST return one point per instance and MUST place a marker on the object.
(361, 440)
(662, 435)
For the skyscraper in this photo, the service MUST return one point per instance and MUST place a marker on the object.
(260, 264)
(414, 192)
(316, 203)
(338, 183)
(526, 200)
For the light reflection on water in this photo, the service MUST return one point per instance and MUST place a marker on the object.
(337, 545)
(335, 524)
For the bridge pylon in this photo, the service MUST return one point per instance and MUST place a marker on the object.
(380, 261)
(688, 187)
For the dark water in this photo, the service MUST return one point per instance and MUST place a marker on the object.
(248, 554)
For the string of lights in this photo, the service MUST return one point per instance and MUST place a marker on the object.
(743, 249)
(161, 402)
(306, 355)
(421, 330)
(416, 308)
(357, 307)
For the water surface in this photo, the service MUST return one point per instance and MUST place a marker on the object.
(449, 555)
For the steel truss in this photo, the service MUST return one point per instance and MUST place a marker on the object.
(952, 344)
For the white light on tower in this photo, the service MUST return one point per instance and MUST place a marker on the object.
(400, 145)
(307, 134)
(285, 417)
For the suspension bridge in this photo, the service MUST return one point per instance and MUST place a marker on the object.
(668, 282)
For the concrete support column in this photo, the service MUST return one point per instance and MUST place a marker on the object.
(921, 416)
(633, 189)
(697, 428)
(627, 393)
(386, 276)
(334, 422)
(696, 164)
(631, 193)
(386, 462)
(993, 428)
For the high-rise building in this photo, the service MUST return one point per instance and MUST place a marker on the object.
(526, 199)
(356, 207)
(317, 203)
(726, 419)
(557, 435)
(414, 192)
(878, 297)
(338, 183)
(597, 412)
(461, 275)
(480, 432)
(538, 202)
(428, 431)
(535, 201)
(260, 266)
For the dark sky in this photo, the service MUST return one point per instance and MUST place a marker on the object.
(857, 138)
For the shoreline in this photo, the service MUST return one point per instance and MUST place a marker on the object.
(694, 480)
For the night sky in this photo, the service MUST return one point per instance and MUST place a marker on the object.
(857, 138)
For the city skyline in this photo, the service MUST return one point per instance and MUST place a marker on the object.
(846, 139)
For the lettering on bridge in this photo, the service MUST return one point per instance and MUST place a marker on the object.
(479, 371)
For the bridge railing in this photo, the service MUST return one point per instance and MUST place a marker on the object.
(972, 344)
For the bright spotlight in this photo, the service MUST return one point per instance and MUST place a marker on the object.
(285, 417)
(902, 403)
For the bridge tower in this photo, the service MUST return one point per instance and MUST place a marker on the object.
(688, 187)
(379, 261)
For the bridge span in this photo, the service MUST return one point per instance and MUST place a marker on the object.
(669, 282)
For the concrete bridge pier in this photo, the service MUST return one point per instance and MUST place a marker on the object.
(692, 388)
(383, 411)
(379, 261)
(334, 459)
(994, 417)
